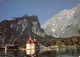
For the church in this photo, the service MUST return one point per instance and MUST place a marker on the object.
(31, 44)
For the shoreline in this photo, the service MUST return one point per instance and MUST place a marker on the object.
(64, 46)
(49, 47)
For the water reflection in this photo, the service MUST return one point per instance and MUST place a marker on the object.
(15, 53)
(57, 52)
(69, 52)
(48, 54)
(61, 52)
(32, 53)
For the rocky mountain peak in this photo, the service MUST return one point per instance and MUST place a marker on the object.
(20, 28)
(64, 24)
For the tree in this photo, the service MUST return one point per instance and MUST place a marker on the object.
(75, 40)
(58, 43)
(16, 43)
(79, 43)
(70, 43)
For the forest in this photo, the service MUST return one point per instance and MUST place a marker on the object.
(62, 41)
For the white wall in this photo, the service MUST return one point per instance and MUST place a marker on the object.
(30, 46)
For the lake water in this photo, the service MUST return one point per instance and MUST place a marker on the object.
(57, 52)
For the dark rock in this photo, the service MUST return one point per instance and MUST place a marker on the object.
(20, 29)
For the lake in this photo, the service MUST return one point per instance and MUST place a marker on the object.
(56, 52)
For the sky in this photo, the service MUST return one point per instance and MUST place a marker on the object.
(44, 9)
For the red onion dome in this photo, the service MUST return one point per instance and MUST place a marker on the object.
(32, 41)
(28, 42)
(34, 36)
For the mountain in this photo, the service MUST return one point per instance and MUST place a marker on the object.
(20, 29)
(64, 24)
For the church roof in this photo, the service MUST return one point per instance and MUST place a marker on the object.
(31, 41)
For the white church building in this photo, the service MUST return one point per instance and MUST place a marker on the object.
(31, 44)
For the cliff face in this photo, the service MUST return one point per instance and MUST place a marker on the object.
(64, 24)
(19, 29)
(5, 31)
